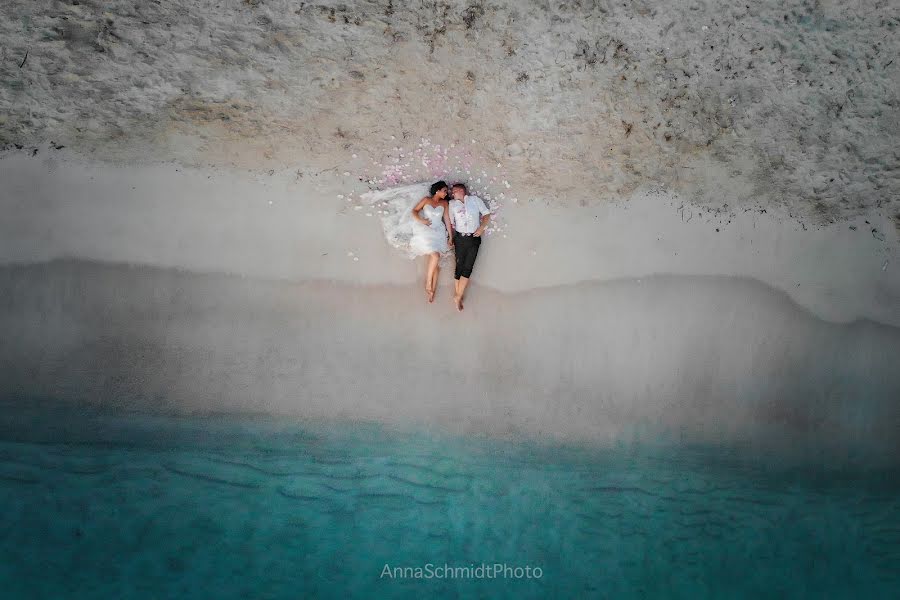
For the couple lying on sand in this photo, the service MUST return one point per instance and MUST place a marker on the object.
(456, 223)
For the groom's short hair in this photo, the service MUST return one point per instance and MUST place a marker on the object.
(459, 185)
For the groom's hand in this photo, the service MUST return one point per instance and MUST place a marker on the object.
(477, 232)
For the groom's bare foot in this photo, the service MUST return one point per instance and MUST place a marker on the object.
(458, 301)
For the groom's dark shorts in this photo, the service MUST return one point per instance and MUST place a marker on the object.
(466, 249)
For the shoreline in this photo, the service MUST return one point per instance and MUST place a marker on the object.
(411, 288)
(716, 359)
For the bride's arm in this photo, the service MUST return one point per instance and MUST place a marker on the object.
(416, 209)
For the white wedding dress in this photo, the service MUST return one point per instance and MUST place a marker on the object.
(429, 238)
(394, 207)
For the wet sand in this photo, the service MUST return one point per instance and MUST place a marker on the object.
(707, 358)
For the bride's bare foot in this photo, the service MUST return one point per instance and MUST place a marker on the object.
(430, 294)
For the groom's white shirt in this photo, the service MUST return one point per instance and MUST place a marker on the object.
(466, 215)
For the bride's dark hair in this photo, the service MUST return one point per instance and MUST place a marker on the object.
(437, 186)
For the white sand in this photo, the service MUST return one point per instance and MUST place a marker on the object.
(216, 220)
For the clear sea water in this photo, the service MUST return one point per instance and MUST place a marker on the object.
(104, 505)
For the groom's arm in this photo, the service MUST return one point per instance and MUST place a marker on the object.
(485, 217)
(449, 214)
(448, 222)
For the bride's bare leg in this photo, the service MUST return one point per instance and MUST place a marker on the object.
(427, 276)
(434, 277)
(431, 275)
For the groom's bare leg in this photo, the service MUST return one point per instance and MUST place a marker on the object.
(461, 284)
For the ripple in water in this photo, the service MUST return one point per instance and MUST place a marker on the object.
(104, 505)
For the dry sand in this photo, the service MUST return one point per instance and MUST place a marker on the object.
(278, 227)
(789, 104)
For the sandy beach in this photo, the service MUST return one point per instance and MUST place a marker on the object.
(277, 227)
(704, 358)
(178, 289)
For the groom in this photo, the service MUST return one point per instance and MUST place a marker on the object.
(468, 217)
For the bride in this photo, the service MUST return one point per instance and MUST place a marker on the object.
(431, 236)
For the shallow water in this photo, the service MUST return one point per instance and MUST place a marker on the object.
(102, 505)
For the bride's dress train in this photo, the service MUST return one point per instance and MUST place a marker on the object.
(402, 231)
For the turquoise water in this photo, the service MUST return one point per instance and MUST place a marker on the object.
(105, 505)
